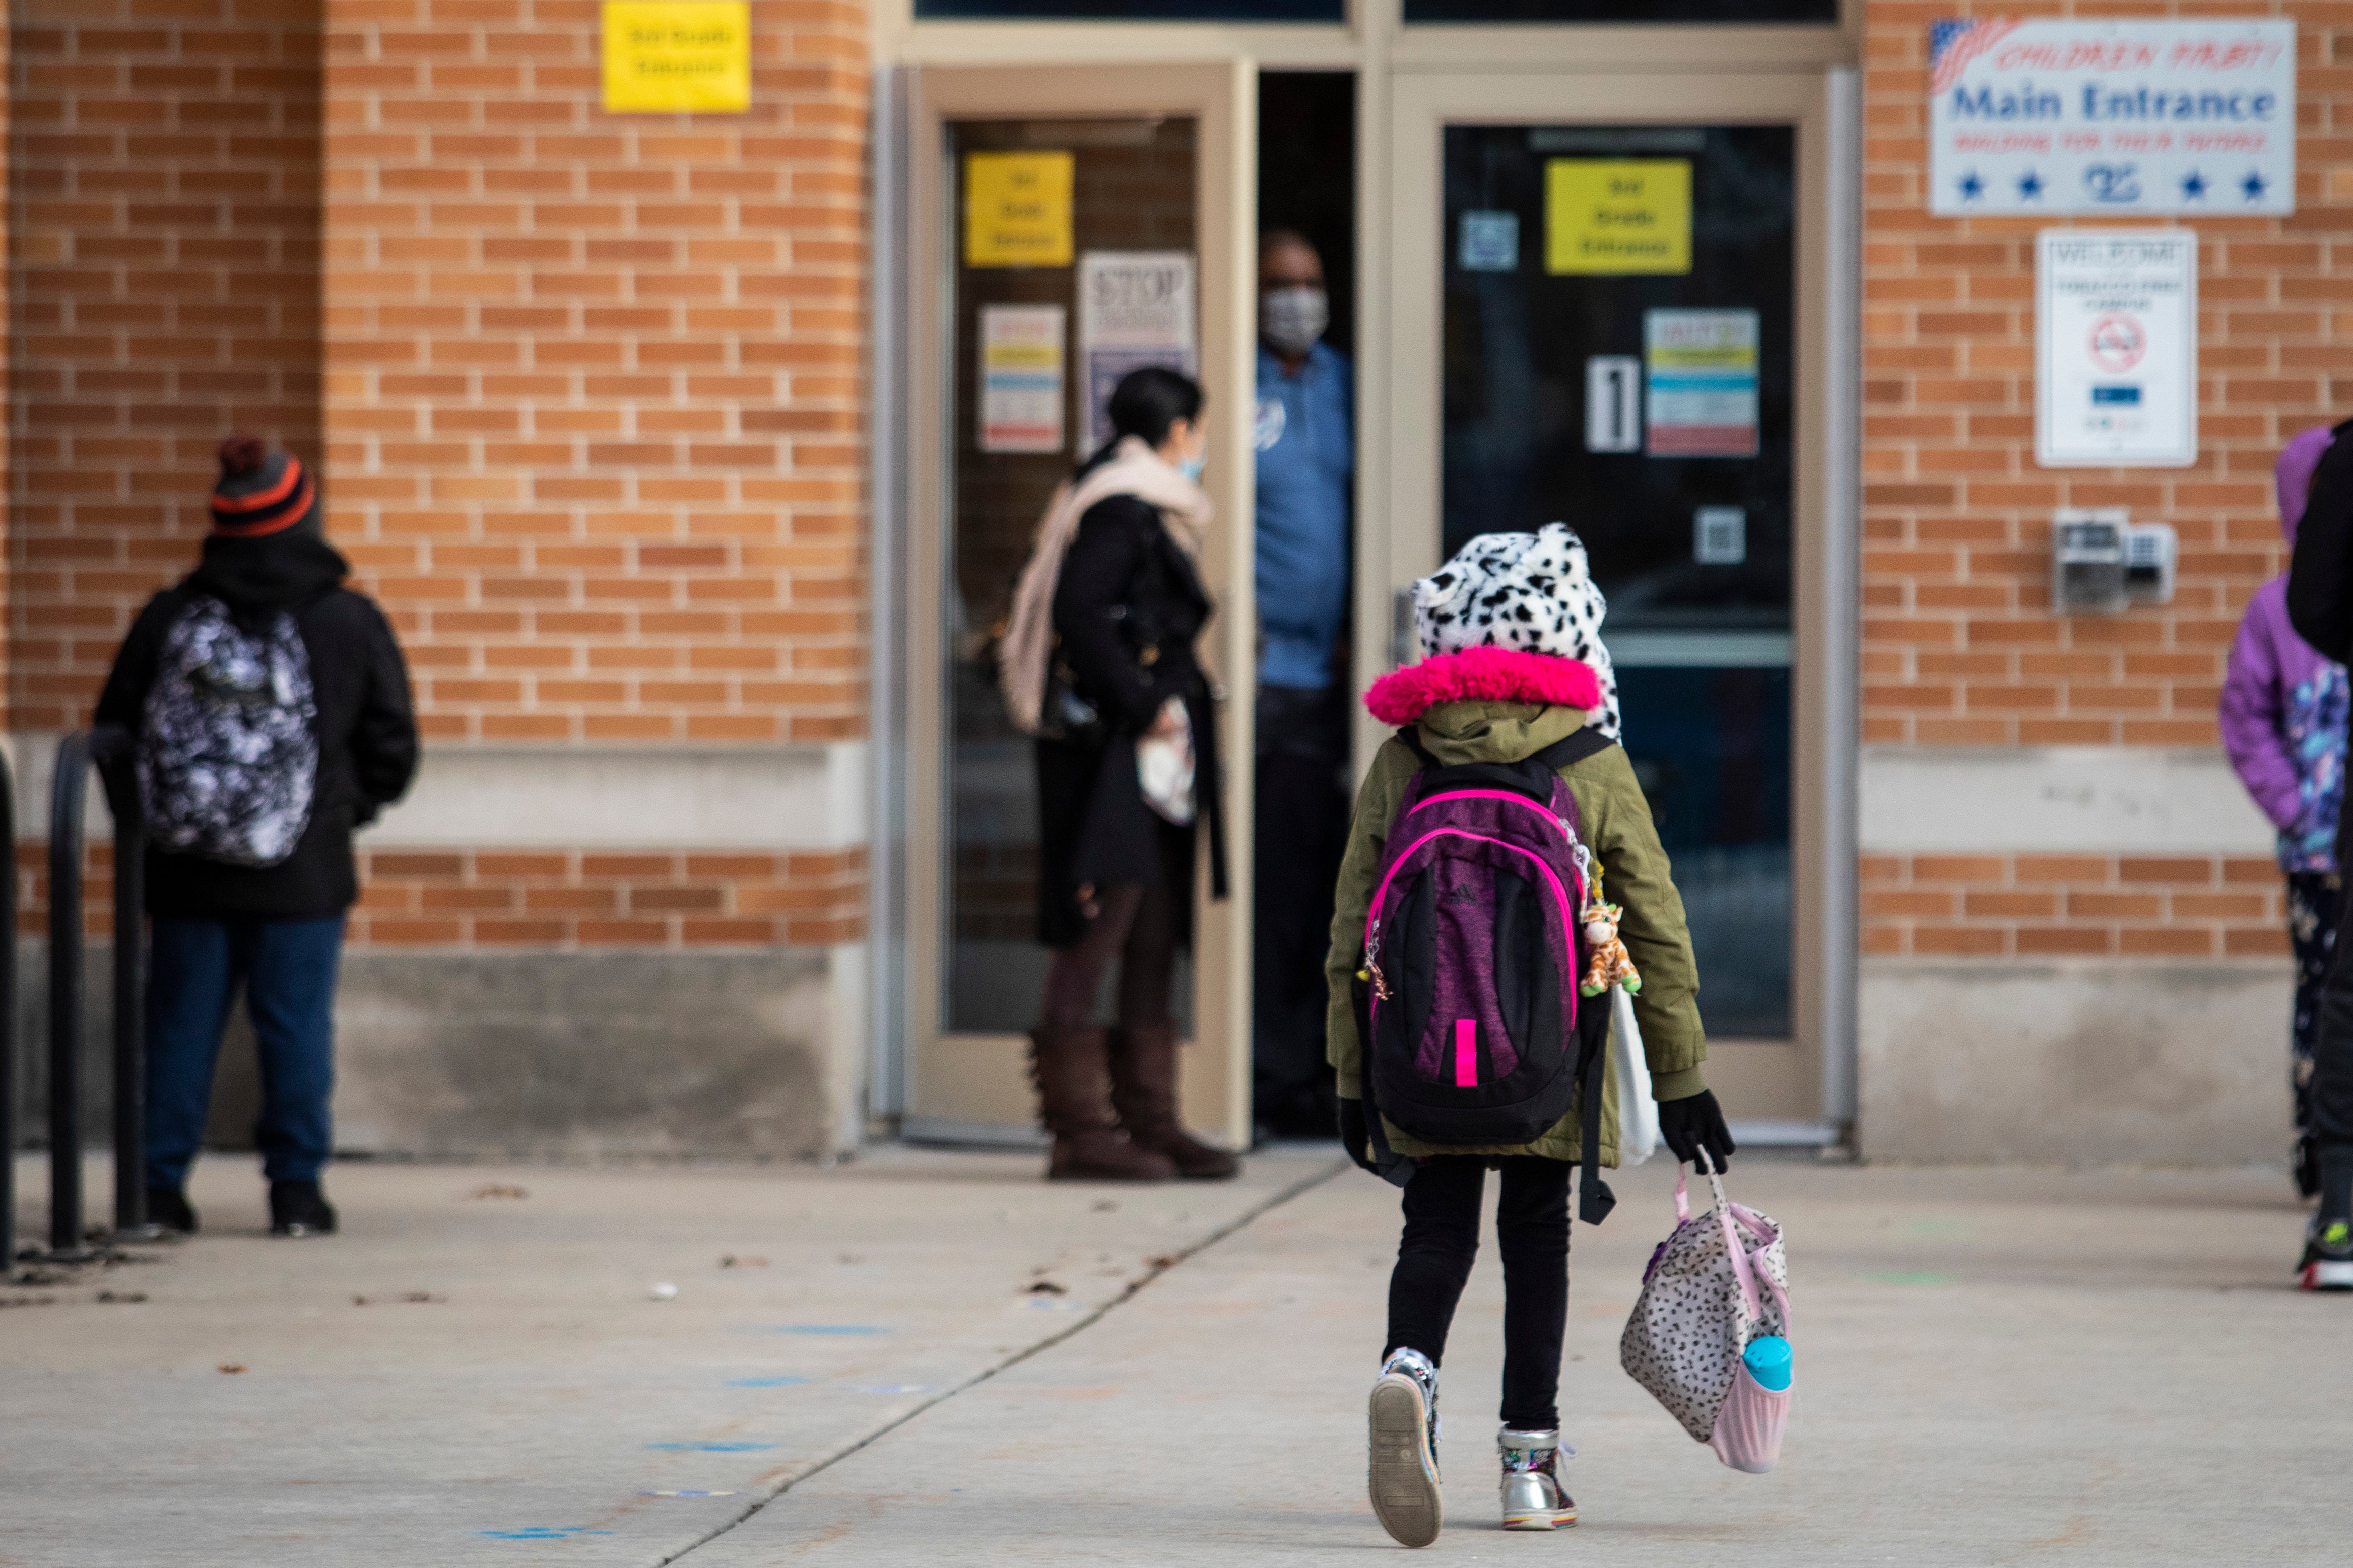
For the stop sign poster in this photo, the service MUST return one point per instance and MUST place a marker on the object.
(2115, 349)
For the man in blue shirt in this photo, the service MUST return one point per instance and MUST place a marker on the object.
(1306, 435)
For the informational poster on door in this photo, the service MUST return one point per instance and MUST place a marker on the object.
(1021, 378)
(1135, 309)
(2115, 349)
(674, 56)
(1016, 208)
(1700, 383)
(2080, 114)
(1618, 216)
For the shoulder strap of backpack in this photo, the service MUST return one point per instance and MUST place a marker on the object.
(1411, 736)
(1573, 748)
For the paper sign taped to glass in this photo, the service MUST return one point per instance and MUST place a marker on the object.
(1135, 309)
(1016, 208)
(1700, 383)
(1617, 217)
(1021, 378)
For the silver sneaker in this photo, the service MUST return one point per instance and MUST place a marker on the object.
(1534, 1497)
(1404, 1448)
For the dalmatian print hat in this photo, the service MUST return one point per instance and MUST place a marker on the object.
(1533, 592)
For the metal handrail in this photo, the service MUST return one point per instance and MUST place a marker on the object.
(110, 750)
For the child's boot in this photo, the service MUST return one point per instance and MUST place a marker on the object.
(1534, 1497)
(1404, 1471)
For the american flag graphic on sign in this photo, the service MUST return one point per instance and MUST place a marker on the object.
(1952, 44)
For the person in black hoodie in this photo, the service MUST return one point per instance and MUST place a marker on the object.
(275, 929)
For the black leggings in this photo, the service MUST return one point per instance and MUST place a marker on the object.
(1134, 924)
(1441, 1237)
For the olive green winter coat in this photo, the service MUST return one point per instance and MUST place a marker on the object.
(1614, 821)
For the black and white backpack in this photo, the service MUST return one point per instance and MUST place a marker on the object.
(228, 755)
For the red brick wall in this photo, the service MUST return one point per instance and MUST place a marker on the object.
(552, 899)
(1959, 647)
(163, 166)
(587, 390)
(606, 897)
(592, 405)
(2079, 906)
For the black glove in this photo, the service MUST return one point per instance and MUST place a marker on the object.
(1353, 1136)
(1689, 1125)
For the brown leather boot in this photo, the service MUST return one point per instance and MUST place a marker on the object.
(1072, 1072)
(1143, 1092)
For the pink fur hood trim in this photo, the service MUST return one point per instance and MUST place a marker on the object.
(1482, 674)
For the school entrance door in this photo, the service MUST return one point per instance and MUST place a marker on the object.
(1602, 273)
(1067, 225)
(1607, 292)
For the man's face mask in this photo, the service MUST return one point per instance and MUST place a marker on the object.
(1291, 319)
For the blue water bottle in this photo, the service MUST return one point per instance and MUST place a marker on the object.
(1767, 1359)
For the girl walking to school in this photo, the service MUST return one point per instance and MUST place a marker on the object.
(2284, 723)
(1514, 674)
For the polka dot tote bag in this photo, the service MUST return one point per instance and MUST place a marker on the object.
(1717, 1282)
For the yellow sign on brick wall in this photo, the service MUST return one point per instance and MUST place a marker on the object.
(1017, 209)
(668, 57)
(1618, 215)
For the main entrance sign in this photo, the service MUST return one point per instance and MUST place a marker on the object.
(2065, 115)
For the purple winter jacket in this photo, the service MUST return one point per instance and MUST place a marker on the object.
(2284, 706)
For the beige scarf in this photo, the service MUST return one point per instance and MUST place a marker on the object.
(1028, 644)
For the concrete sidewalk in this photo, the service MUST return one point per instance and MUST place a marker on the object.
(1994, 1367)
(511, 1392)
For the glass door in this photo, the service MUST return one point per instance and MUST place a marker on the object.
(1626, 367)
(1070, 227)
(1620, 343)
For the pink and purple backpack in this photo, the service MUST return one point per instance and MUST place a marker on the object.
(1467, 1003)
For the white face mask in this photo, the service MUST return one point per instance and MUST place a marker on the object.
(1291, 319)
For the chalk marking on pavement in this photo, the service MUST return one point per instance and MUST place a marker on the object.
(1156, 1266)
(543, 1533)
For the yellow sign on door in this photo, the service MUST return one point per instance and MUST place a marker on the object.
(1615, 215)
(668, 57)
(1017, 209)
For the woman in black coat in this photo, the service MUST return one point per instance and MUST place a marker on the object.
(1116, 878)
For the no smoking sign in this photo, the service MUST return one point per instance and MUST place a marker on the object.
(2118, 344)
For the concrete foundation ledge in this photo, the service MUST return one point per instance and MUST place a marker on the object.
(2077, 1062)
(544, 1054)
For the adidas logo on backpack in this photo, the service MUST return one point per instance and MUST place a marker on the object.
(1473, 948)
(228, 751)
